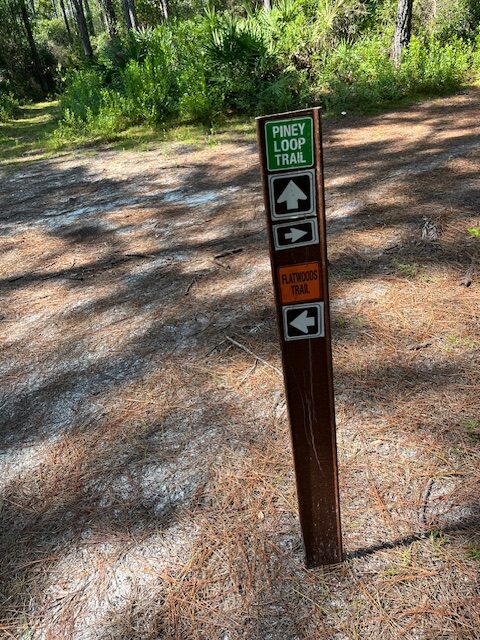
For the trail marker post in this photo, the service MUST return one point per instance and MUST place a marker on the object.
(292, 175)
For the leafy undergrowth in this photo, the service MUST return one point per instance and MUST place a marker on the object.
(299, 54)
(31, 135)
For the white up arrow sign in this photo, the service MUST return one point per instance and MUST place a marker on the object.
(295, 234)
(291, 195)
(302, 322)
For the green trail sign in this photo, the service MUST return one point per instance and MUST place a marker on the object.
(289, 143)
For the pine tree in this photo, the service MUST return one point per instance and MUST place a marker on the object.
(82, 28)
(403, 30)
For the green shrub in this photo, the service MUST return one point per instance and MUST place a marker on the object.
(110, 53)
(8, 105)
(185, 71)
(454, 18)
(243, 71)
(52, 36)
(301, 53)
(83, 95)
(361, 75)
(430, 66)
(236, 58)
(357, 76)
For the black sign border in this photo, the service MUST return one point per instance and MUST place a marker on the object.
(312, 221)
(301, 214)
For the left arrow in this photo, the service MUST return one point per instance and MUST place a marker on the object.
(302, 322)
(291, 195)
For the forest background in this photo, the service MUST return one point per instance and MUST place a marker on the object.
(118, 63)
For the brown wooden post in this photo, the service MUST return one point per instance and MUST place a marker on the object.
(292, 174)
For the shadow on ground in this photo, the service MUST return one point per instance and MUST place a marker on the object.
(126, 413)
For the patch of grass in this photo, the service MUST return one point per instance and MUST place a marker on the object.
(429, 279)
(33, 135)
(8, 106)
(471, 425)
(25, 137)
(473, 553)
(350, 323)
(438, 540)
(347, 273)
(146, 137)
(392, 572)
(406, 269)
(460, 342)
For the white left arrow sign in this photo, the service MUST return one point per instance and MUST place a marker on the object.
(302, 322)
(291, 195)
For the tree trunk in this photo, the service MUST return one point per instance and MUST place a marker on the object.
(88, 17)
(403, 29)
(65, 19)
(130, 14)
(82, 28)
(37, 63)
(110, 17)
(165, 9)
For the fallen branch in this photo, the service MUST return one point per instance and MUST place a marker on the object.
(194, 281)
(228, 252)
(82, 271)
(419, 345)
(426, 497)
(221, 264)
(251, 370)
(252, 353)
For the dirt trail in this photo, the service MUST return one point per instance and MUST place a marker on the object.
(146, 486)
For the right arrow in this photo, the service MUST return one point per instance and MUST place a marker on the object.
(302, 322)
(295, 234)
(291, 195)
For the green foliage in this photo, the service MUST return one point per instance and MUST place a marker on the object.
(52, 38)
(356, 76)
(474, 231)
(471, 426)
(246, 61)
(184, 71)
(473, 553)
(452, 18)
(476, 56)
(16, 63)
(84, 93)
(89, 109)
(151, 76)
(243, 72)
(361, 75)
(8, 105)
(431, 65)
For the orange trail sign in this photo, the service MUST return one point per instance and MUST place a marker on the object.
(292, 175)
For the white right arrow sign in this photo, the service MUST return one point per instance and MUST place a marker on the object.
(295, 234)
(291, 195)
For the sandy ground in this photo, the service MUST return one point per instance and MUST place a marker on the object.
(146, 484)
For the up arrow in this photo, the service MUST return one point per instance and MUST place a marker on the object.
(295, 234)
(291, 195)
(302, 322)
